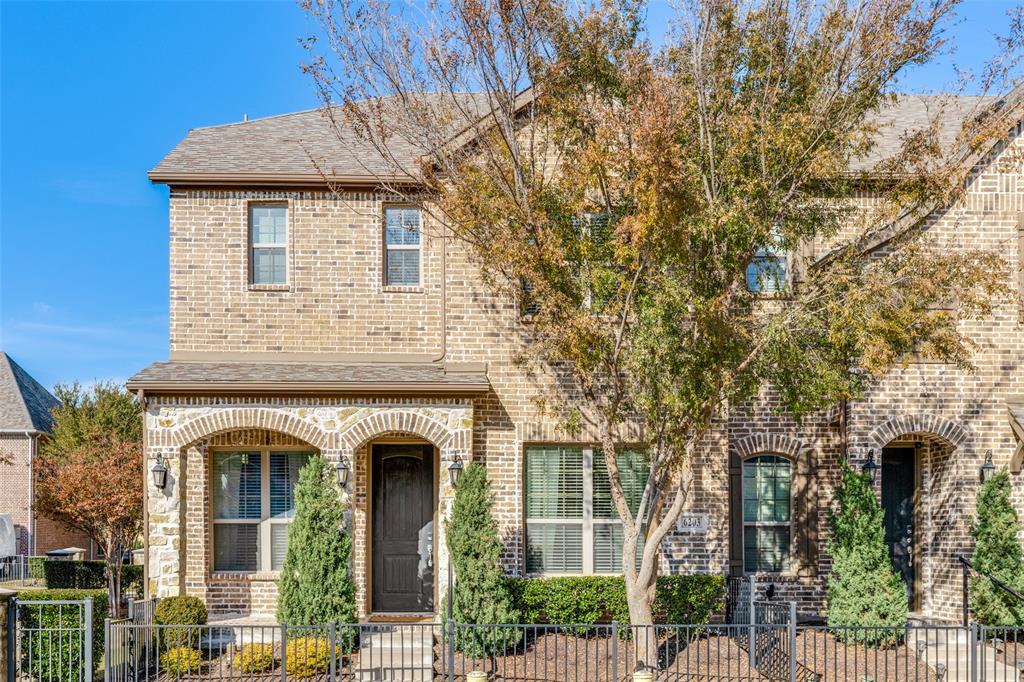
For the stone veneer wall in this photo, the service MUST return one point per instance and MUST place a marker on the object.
(180, 552)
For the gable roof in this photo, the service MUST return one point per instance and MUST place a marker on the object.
(24, 404)
(302, 147)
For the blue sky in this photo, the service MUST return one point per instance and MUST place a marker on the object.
(92, 95)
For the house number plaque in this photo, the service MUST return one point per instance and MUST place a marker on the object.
(693, 523)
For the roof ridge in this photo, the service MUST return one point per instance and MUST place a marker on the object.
(28, 390)
(261, 118)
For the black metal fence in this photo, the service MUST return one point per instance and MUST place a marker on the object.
(783, 652)
(15, 569)
(49, 641)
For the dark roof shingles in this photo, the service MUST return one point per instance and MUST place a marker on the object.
(329, 374)
(24, 403)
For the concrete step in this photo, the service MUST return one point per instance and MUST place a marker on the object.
(393, 653)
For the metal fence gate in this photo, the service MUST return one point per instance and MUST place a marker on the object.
(49, 641)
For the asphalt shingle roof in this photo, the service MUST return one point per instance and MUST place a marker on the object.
(327, 376)
(24, 404)
(287, 145)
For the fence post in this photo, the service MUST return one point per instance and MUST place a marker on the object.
(451, 649)
(972, 647)
(752, 620)
(12, 637)
(87, 654)
(334, 652)
(792, 641)
(615, 650)
(106, 648)
(284, 652)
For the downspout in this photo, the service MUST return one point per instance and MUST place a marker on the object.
(33, 452)
(145, 498)
(844, 423)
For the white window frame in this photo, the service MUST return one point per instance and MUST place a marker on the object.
(266, 521)
(388, 248)
(587, 521)
(254, 247)
(788, 561)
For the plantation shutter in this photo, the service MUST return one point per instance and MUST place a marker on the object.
(633, 470)
(284, 474)
(554, 510)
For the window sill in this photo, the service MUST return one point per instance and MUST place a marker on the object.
(270, 287)
(395, 289)
(236, 576)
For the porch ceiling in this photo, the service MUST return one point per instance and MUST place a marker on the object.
(322, 378)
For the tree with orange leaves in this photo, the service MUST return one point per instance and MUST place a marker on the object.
(89, 473)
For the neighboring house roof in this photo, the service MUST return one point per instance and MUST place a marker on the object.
(24, 404)
(281, 149)
(212, 377)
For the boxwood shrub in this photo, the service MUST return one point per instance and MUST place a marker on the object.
(589, 600)
(51, 646)
(181, 610)
(88, 575)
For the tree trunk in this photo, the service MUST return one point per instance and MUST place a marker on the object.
(639, 597)
(113, 561)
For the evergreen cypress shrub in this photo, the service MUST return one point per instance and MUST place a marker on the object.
(997, 552)
(481, 593)
(863, 590)
(316, 587)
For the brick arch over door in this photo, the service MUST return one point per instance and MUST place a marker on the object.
(238, 418)
(407, 422)
(906, 424)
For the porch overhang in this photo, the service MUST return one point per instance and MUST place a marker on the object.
(269, 378)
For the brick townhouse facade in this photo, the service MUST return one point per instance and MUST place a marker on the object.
(306, 318)
(24, 422)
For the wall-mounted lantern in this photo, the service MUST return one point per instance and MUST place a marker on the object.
(454, 471)
(988, 469)
(871, 467)
(341, 468)
(160, 472)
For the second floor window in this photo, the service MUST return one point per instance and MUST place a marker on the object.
(402, 246)
(268, 229)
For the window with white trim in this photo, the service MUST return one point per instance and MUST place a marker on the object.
(402, 246)
(767, 514)
(268, 240)
(253, 503)
(571, 522)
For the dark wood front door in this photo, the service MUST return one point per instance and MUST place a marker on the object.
(403, 528)
(899, 485)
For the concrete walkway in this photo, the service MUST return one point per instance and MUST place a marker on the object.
(947, 651)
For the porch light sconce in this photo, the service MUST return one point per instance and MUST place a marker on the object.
(454, 471)
(988, 468)
(341, 468)
(160, 473)
(871, 467)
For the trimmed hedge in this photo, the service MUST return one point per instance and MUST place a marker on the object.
(57, 656)
(88, 575)
(37, 567)
(181, 610)
(589, 600)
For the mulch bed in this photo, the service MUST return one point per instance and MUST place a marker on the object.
(557, 657)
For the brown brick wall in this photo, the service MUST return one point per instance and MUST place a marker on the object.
(336, 306)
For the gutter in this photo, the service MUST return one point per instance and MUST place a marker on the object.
(145, 498)
(227, 179)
